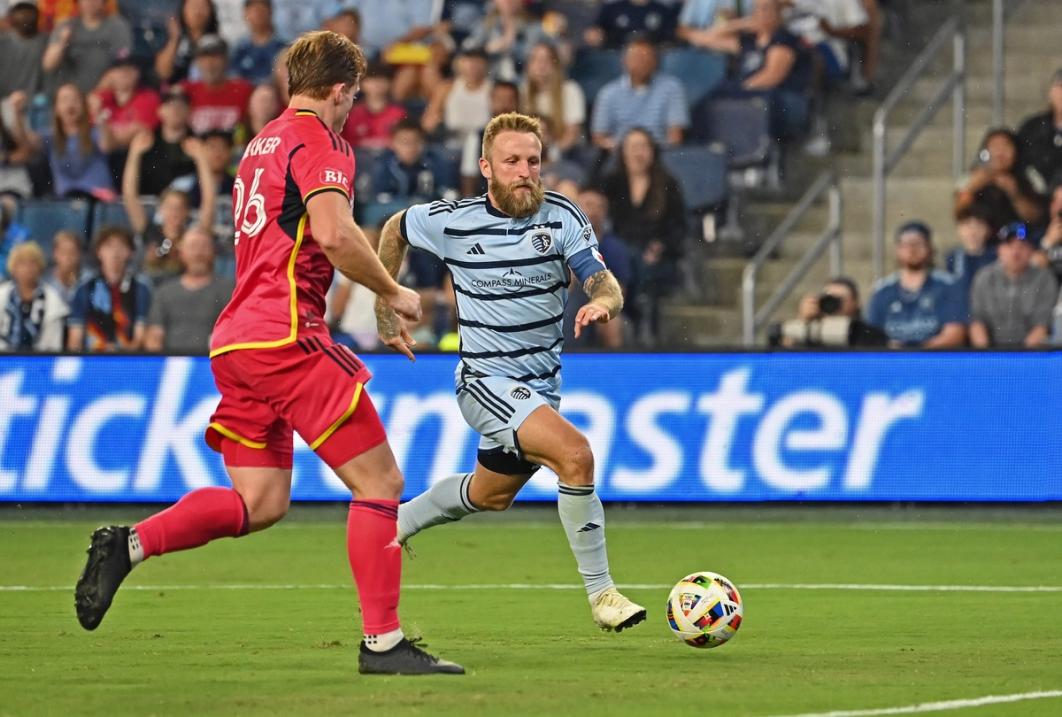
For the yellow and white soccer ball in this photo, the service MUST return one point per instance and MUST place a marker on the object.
(704, 609)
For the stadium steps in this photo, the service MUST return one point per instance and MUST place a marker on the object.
(923, 186)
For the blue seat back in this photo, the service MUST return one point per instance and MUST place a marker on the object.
(741, 124)
(700, 71)
(701, 172)
(592, 69)
(44, 217)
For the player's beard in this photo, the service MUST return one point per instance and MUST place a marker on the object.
(516, 205)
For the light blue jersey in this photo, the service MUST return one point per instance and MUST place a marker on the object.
(511, 278)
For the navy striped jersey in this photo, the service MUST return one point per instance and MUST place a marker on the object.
(511, 280)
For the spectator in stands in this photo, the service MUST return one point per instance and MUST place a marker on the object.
(81, 49)
(253, 56)
(648, 214)
(698, 16)
(347, 22)
(770, 61)
(54, 12)
(1012, 300)
(262, 108)
(195, 20)
(67, 272)
(21, 50)
(218, 102)
(184, 309)
(504, 97)
(620, 20)
(549, 94)
(1040, 136)
(462, 105)
(407, 172)
(460, 18)
(643, 98)
(110, 308)
(372, 117)
(976, 248)
(126, 106)
(158, 239)
(15, 149)
(32, 313)
(77, 152)
(829, 26)
(1000, 183)
(1050, 254)
(387, 24)
(216, 147)
(818, 320)
(507, 34)
(918, 306)
(298, 16)
(166, 159)
(617, 258)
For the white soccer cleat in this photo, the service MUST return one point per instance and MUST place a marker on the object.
(613, 612)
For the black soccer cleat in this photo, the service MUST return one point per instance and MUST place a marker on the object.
(405, 658)
(106, 568)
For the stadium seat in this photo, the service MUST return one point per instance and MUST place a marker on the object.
(699, 71)
(109, 214)
(701, 172)
(44, 217)
(741, 124)
(592, 69)
(374, 214)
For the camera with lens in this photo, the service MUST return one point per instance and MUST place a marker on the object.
(829, 305)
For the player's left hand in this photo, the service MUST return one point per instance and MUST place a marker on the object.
(590, 314)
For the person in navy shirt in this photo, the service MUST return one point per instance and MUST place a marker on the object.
(917, 306)
(977, 248)
(253, 57)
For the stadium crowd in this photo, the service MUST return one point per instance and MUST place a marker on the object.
(121, 123)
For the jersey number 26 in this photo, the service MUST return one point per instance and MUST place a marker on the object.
(255, 208)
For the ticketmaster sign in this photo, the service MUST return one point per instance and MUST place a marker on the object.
(720, 427)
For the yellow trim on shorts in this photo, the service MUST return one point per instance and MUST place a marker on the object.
(346, 414)
(233, 435)
(290, 338)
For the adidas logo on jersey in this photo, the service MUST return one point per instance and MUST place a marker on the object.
(476, 249)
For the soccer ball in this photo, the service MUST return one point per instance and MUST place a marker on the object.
(704, 609)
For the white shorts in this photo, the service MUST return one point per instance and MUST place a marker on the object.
(495, 407)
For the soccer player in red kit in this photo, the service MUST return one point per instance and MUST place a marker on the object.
(278, 370)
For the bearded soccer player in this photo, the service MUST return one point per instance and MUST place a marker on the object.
(510, 253)
(278, 371)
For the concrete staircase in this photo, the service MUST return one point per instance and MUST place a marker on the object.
(920, 187)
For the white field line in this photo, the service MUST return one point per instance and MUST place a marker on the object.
(867, 587)
(945, 706)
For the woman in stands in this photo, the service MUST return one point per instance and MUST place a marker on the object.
(32, 313)
(1001, 184)
(76, 150)
(648, 214)
(195, 20)
(549, 94)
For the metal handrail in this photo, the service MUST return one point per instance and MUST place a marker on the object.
(753, 320)
(955, 85)
(1000, 11)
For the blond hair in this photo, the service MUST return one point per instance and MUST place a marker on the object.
(26, 250)
(320, 60)
(509, 122)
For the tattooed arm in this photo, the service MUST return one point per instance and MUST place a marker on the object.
(392, 251)
(606, 300)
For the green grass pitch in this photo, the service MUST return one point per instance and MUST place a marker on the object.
(268, 624)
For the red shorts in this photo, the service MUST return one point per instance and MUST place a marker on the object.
(313, 386)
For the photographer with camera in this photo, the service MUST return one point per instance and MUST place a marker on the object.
(918, 306)
(829, 318)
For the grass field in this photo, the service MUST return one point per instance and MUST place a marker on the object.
(268, 625)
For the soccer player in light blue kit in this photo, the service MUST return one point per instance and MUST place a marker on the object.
(510, 253)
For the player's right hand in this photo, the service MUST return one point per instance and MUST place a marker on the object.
(406, 304)
(402, 342)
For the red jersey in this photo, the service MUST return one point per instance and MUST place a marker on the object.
(217, 106)
(282, 274)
